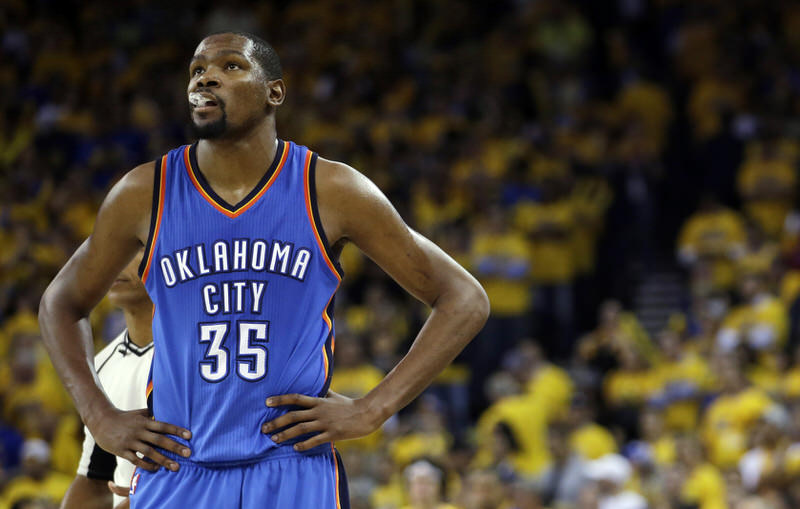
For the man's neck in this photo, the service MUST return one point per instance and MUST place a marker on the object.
(139, 320)
(236, 165)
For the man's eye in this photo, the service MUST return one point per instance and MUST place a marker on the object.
(232, 67)
(196, 71)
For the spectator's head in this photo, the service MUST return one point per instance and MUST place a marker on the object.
(610, 472)
(523, 361)
(558, 441)
(752, 284)
(770, 426)
(651, 424)
(424, 483)
(24, 358)
(501, 385)
(35, 458)
(670, 343)
(631, 359)
(609, 313)
(730, 373)
(349, 351)
(482, 490)
(581, 411)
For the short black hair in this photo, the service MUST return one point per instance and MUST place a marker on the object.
(263, 52)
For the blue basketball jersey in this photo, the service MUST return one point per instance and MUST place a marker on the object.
(243, 298)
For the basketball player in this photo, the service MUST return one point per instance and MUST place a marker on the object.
(242, 231)
(123, 367)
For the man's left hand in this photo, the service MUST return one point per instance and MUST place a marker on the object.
(334, 417)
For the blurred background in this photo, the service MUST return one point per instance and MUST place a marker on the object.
(621, 176)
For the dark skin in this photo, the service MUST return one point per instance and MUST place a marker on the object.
(352, 209)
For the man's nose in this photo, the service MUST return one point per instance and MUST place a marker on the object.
(208, 80)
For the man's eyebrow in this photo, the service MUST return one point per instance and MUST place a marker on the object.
(219, 53)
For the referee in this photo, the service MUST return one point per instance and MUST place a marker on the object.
(123, 367)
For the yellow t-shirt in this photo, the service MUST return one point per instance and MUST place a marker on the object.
(430, 213)
(728, 422)
(592, 441)
(52, 487)
(554, 388)
(551, 229)
(791, 383)
(590, 198)
(706, 488)
(527, 418)
(768, 213)
(765, 317)
(691, 369)
(630, 387)
(705, 101)
(716, 236)
(790, 288)
(391, 495)
(508, 285)
(649, 102)
(664, 452)
(408, 448)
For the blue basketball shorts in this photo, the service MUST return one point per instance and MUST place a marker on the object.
(284, 479)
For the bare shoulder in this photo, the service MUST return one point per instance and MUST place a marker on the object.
(129, 202)
(336, 177)
(348, 200)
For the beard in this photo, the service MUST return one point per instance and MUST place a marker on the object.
(212, 130)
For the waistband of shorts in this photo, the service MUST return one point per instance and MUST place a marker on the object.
(276, 453)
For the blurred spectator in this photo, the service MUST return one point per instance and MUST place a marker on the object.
(425, 484)
(611, 472)
(683, 378)
(728, 420)
(760, 322)
(482, 490)
(561, 483)
(711, 240)
(703, 484)
(36, 480)
(766, 183)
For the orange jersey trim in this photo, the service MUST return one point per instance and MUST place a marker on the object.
(241, 210)
(162, 187)
(329, 263)
(336, 469)
(306, 170)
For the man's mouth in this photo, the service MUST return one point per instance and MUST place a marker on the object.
(203, 101)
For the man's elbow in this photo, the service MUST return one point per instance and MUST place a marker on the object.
(477, 304)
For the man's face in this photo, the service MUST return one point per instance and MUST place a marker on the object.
(227, 88)
(128, 289)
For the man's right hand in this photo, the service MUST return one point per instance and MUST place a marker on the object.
(125, 434)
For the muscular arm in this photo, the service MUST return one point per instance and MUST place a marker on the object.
(120, 229)
(353, 209)
(85, 493)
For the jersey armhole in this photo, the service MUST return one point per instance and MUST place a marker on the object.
(316, 222)
(156, 210)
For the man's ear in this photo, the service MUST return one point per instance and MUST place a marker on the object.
(276, 92)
